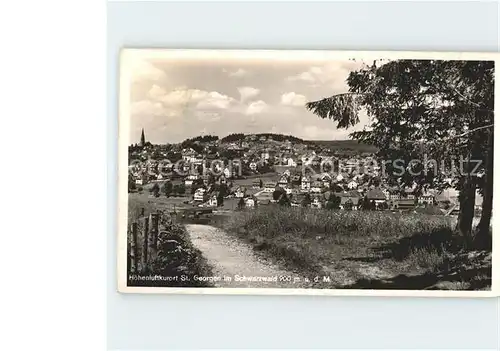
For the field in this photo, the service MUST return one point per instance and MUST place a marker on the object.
(365, 250)
(248, 181)
(346, 145)
(162, 202)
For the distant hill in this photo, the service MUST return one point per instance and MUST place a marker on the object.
(270, 136)
(345, 145)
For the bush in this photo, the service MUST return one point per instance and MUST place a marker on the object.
(241, 204)
(167, 188)
(175, 256)
(427, 258)
(155, 190)
(131, 185)
(179, 189)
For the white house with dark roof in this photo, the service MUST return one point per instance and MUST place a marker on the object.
(376, 195)
(250, 202)
(240, 192)
(200, 195)
(305, 183)
(188, 155)
(426, 198)
(352, 185)
(212, 201)
(290, 162)
(317, 187)
(269, 187)
(283, 181)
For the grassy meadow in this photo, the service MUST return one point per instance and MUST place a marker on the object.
(365, 250)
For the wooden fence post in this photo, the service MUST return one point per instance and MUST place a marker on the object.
(133, 248)
(145, 246)
(155, 226)
(129, 253)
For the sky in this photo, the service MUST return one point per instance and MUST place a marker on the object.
(174, 100)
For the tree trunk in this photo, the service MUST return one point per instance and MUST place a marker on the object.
(466, 214)
(467, 200)
(482, 237)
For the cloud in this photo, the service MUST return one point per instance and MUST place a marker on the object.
(240, 72)
(304, 76)
(316, 70)
(208, 116)
(147, 107)
(156, 92)
(204, 104)
(256, 107)
(331, 74)
(200, 98)
(215, 100)
(248, 93)
(143, 70)
(160, 102)
(313, 132)
(179, 96)
(293, 99)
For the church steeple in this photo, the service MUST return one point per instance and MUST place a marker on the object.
(143, 139)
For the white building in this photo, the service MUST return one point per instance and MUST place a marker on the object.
(188, 155)
(240, 192)
(212, 201)
(316, 203)
(190, 179)
(426, 199)
(308, 159)
(305, 183)
(291, 162)
(269, 187)
(199, 194)
(317, 187)
(352, 185)
(249, 202)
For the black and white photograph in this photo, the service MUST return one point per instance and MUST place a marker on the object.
(306, 172)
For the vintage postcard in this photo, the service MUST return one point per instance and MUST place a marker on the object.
(307, 172)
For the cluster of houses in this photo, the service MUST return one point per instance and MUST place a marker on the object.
(350, 191)
(319, 189)
(302, 174)
(252, 159)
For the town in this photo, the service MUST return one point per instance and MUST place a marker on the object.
(246, 171)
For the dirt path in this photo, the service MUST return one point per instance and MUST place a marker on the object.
(233, 258)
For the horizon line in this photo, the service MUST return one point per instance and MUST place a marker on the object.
(246, 134)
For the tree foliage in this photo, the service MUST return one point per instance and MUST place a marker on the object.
(241, 203)
(167, 188)
(278, 193)
(131, 184)
(155, 190)
(333, 202)
(306, 201)
(440, 108)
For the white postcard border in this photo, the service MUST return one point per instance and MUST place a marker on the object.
(127, 57)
